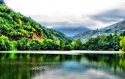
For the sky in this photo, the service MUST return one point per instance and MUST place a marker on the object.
(90, 13)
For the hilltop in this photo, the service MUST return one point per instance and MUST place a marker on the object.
(17, 27)
(71, 29)
(117, 27)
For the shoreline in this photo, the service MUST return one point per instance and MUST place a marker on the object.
(77, 52)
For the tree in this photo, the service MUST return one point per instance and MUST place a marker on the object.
(122, 44)
(35, 45)
(77, 44)
(62, 44)
(14, 45)
(49, 44)
(67, 47)
(5, 43)
(92, 44)
(23, 44)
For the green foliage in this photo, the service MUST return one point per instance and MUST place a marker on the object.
(122, 44)
(35, 45)
(14, 45)
(5, 43)
(62, 44)
(55, 35)
(103, 42)
(91, 44)
(15, 26)
(22, 33)
(19, 31)
(49, 44)
(77, 44)
(67, 47)
(23, 44)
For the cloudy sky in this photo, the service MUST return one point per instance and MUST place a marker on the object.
(91, 13)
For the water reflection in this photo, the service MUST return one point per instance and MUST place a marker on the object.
(64, 67)
(73, 66)
(74, 70)
(12, 71)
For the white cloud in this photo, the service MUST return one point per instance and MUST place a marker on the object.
(61, 7)
(70, 11)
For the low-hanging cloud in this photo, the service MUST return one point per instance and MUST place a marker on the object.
(111, 15)
(100, 20)
(91, 13)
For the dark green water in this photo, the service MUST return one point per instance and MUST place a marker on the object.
(64, 67)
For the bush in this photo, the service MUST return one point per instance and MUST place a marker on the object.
(5, 43)
(23, 44)
(35, 45)
(122, 44)
(49, 44)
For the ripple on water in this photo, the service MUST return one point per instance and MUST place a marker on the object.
(73, 70)
(89, 74)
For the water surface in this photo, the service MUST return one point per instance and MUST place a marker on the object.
(68, 68)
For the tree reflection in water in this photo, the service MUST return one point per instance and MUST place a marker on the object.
(32, 65)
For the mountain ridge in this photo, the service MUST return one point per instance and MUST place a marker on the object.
(71, 29)
(16, 26)
(118, 27)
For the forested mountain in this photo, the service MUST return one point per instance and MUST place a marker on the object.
(117, 27)
(16, 27)
(18, 32)
(71, 29)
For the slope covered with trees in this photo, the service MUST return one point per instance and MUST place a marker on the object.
(20, 32)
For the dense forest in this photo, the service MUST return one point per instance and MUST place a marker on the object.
(18, 32)
(111, 42)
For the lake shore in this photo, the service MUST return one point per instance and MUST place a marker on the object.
(64, 52)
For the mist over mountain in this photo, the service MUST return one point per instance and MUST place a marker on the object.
(117, 27)
(71, 29)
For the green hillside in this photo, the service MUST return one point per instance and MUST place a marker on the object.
(15, 27)
(18, 32)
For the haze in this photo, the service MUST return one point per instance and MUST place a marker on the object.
(91, 13)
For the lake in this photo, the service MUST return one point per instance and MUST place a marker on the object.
(86, 66)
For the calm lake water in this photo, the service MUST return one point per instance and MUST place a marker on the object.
(69, 68)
